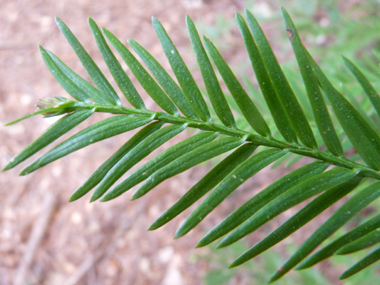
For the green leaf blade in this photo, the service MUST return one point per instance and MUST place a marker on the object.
(309, 212)
(87, 88)
(261, 199)
(163, 78)
(121, 78)
(102, 171)
(365, 262)
(92, 69)
(270, 95)
(246, 105)
(97, 132)
(146, 81)
(62, 79)
(365, 140)
(297, 194)
(333, 247)
(285, 93)
(55, 131)
(143, 149)
(209, 181)
(182, 73)
(158, 162)
(358, 202)
(39, 112)
(366, 241)
(213, 88)
(187, 161)
(366, 85)
(316, 100)
(237, 177)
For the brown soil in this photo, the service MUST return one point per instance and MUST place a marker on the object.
(98, 243)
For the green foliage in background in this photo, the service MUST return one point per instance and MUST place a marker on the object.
(335, 33)
(256, 272)
(316, 121)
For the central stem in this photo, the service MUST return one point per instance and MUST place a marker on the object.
(254, 138)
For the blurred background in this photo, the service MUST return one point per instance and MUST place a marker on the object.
(46, 240)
